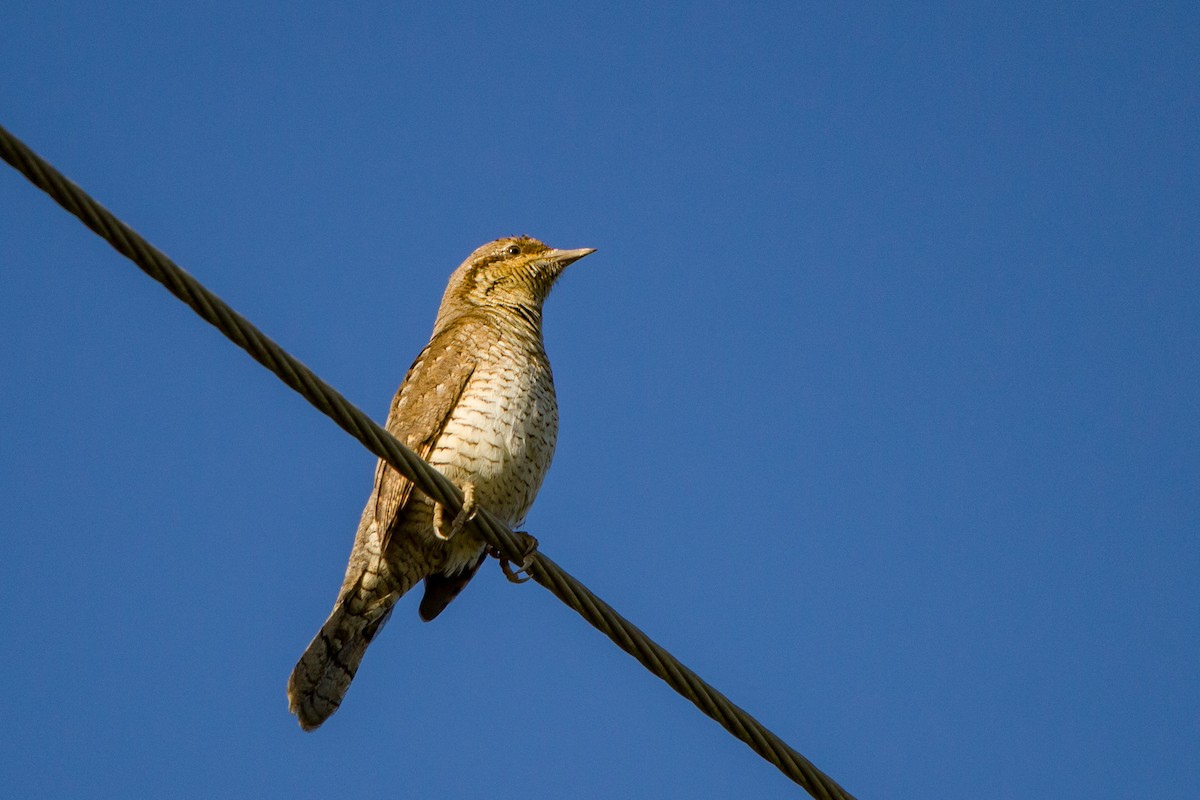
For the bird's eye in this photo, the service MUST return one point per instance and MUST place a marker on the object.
(513, 250)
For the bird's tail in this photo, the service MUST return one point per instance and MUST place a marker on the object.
(323, 674)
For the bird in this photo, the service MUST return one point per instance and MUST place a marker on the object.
(478, 404)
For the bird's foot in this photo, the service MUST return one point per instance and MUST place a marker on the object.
(462, 518)
(529, 546)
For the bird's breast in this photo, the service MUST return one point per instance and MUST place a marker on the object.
(501, 434)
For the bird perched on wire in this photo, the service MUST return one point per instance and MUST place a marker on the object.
(478, 404)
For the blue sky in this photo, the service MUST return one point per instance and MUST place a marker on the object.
(878, 400)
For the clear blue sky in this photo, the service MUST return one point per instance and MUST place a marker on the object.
(879, 399)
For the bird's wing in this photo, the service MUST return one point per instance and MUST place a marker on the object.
(440, 588)
(420, 410)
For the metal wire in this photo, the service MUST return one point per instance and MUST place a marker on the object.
(331, 403)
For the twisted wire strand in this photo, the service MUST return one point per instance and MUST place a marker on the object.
(349, 418)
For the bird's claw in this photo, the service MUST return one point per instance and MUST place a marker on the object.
(514, 575)
(529, 546)
(462, 518)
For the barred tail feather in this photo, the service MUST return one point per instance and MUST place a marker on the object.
(323, 674)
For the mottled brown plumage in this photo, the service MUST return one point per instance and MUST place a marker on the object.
(478, 403)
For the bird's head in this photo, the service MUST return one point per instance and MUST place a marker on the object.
(514, 273)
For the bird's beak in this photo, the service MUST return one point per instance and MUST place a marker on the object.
(565, 257)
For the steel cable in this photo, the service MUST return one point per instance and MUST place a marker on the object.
(355, 422)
